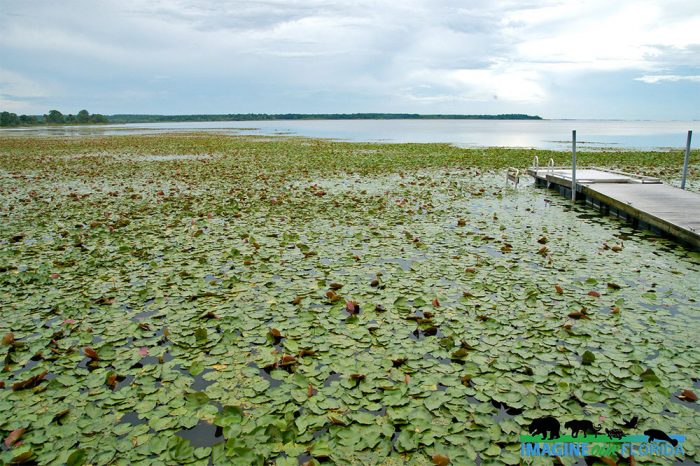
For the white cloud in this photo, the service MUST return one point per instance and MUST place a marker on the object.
(18, 85)
(653, 79)
(17, 91)
(431, 52)
(600, 35)
(14, 106)
(495, 83)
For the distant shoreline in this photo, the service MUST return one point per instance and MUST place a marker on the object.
(544, 134)
(134, 118)
(56, 118)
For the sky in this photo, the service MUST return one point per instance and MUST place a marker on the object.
(623, 59)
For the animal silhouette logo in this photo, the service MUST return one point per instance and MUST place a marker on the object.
(631, 424)
(547, 440)
(584, 426)
(545, 426)
(655, 434)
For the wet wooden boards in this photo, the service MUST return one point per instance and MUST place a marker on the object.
(642, 200)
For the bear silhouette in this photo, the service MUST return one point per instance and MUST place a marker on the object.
(544, 426)
(655, 434)
(582, 426)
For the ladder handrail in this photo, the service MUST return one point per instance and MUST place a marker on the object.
(513, 174)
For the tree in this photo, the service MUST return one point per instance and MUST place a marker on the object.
(8, 119)
(54, 116)
(83, 116)
(28, 119)
(97, 118)
(70, 119)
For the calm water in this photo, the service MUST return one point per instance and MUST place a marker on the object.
(541, 134)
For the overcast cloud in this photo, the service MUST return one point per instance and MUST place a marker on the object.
(574, 59)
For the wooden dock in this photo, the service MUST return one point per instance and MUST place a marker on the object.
(643, 201)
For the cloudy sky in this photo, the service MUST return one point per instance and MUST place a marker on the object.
(631, 59)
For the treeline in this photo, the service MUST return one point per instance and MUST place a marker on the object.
(54, 117)
(129, 118)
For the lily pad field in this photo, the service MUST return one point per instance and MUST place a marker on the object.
(196, 298)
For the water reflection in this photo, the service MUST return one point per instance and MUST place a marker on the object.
(539, 134)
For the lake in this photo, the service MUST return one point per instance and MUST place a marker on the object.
(539, 134)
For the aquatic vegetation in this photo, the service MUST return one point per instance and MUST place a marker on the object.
(185, 298)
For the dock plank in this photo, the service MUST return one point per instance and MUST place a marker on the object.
(671, 210)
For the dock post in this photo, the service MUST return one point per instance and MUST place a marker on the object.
(573, 165)
(687, 159)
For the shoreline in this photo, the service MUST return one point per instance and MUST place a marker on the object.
(78, 132)
(598, 135)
